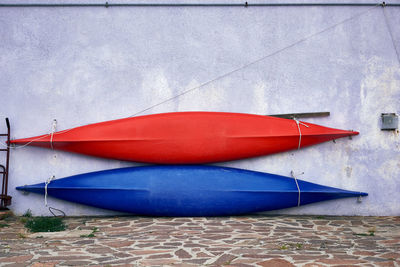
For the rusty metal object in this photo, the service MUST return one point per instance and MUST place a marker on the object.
(4, 170)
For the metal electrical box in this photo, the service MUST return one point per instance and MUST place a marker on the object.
(390, 121)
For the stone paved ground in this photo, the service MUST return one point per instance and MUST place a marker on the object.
(226, 241)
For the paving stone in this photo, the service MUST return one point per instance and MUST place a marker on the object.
(45, 264)
(376, 259)
(147, 252)
(340, 261)
(308, 257)
(196, 261)
(387, 264)
(100, 250)
(15, 264)
(158, 262)
(275, 263)
(261, 256)
(123, 262)
(121, 224)
(160, 256)
(84, 242)
(193, 245)
(120, 244)
(182, 254)
(103, 259)
(121, 255)
(391, 255)
(164, 247)
(7, 254)
(17, 258)
(236, 241)
(224, 259)
(61, 258)
(76, 263)
(175, 244)
(239, 265)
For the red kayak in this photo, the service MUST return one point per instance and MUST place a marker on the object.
(187, 137)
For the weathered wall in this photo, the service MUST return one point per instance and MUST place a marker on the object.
(86, 65)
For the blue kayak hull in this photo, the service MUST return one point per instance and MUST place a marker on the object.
(187, 191)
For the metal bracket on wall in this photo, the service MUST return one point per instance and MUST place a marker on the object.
(301, 115)
(390, 121)
(5, 200)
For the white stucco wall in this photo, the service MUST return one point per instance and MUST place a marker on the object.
(86, 65)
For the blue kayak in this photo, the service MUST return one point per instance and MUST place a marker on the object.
(187, 190)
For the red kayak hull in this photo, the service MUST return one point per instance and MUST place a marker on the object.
(187, 137)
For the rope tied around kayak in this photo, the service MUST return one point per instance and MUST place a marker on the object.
(298, 127)
(53, 129)
(51, 209)
(298, 188)
(48, 181)
(27, 144)
(53, 132)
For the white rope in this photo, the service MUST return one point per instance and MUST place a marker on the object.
(298, 127)
(298, 188)
(51, 209)
(53, 129)
(45, 188)
(39, 138)
(27, 144)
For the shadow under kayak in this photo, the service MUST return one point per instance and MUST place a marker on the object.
(187, 190)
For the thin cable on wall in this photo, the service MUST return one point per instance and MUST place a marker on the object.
(256, 61)
(391, 34)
